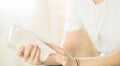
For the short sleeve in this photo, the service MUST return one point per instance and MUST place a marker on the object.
(73, 20)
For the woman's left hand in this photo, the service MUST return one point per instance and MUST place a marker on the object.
(61, 56)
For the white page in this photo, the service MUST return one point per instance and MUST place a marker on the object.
(21, 37)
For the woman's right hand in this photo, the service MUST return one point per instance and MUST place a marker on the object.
(62, 56)
(30, 54)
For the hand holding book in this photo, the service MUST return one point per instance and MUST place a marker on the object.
(20, 37)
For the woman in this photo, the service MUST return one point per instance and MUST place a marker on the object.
(100, 19)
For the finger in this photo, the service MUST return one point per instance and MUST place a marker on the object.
(57, 49)
(33, 53)
(21, 51)
(28, 51)
(38, 53)
(37, 57)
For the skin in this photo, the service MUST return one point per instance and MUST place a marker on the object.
(80, 42)
(72, 48)
(64, 58)
(108, 60)
(30, 54)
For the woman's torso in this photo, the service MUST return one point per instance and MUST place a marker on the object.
(107, 21)
(101, 22)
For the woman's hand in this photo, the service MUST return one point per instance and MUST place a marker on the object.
(30, 54)
(61, 56)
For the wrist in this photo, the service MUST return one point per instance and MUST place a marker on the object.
(76, 62)
(90, 61)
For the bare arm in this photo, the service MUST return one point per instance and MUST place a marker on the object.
(108, 60)
(112, 59)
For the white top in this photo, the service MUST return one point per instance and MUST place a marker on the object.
(101, 21)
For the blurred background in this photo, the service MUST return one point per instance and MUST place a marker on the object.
(43, 17)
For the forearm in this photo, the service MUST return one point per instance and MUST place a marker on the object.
(108, 60)
(111, 60)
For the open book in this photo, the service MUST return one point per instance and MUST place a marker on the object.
(21, 37)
